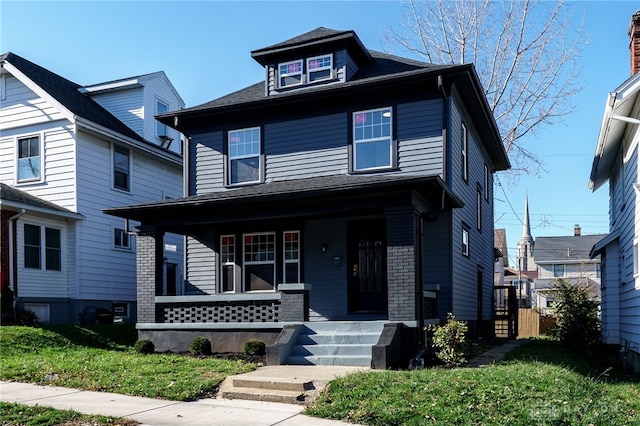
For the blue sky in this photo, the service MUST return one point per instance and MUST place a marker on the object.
(204, 48)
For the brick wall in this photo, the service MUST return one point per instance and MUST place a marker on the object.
(148, 273)
(402, 271)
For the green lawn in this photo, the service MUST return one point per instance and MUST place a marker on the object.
(541, 383)
(22, 415)
(100, 358)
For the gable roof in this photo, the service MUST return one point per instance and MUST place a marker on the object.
(17, 199)
(568, 249)
(617, 117)
(68, 94)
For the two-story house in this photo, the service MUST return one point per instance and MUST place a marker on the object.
(332, 208)
(66, 152)
(616, 162)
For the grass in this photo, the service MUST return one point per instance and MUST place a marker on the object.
(101, 358)
(23, 415)
(542, 383)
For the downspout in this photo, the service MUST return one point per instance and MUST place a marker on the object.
(12, 284)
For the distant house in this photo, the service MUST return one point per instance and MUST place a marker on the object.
(66, 152)
(567, 258)
(332, 209)
(616, 162)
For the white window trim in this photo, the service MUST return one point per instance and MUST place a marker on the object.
(113, 169)
(259, 262)
(258, 155)
(284, 258)
(158, 123)
(232, 264)
(486, 182)
(465, 153)
(40, 137)
(281, 75)
(43, 247)
(466, 249)
(121, 248)
(392, 159)
(323, 68)
(553, 270)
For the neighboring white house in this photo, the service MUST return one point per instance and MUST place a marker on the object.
(616, 162)
(66, 152)
(566, 258)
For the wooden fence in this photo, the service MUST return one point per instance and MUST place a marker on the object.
(532, 323)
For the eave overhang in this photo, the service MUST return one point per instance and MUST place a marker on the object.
(617, 117)
(301, 198)
(409, 83)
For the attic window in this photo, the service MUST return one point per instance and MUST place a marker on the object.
(319, 68)
(290, 73)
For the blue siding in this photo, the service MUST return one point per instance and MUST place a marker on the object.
(465, 269)
(206, 163)
(307, 147)
(328, 296)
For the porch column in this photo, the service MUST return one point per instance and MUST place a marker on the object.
(294, 304)
(403, 263)
(149, 262)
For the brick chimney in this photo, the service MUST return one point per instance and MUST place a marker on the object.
(634, 43)
(577, 231)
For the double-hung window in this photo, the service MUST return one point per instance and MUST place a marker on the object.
(29, 159)
(372, 140)
(244, 156)
(259, 261)
(558, 270)
(464, 153)
(228, 263)
(290, 73)
(35, 250)
(161, 128)
(465, 240)
(121, 168)
(121, 239)
(291, 257)
(319, 68)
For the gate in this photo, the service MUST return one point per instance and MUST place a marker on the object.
(506, 312)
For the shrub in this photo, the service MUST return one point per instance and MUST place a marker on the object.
(200, 346)
(577, 318)
(254, 347)
(451, 340)
(144, 346)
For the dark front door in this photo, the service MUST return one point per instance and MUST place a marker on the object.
(367, 267)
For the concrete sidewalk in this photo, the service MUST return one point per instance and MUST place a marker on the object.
(156, 412)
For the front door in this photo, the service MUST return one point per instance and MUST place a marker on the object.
(367, 267)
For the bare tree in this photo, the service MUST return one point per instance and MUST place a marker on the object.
(525, 52)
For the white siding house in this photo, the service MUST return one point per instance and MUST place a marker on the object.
(66, 153)
(616, 162)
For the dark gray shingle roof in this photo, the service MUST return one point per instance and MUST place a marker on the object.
(563, 249)
(13, 195)
(66, 92)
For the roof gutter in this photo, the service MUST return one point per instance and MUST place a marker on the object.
(165, 155)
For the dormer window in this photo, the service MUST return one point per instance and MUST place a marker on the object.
(290, 73)
(305, 71)
(319, 68)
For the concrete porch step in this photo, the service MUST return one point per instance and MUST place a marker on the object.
(332, 349)
(343, 360)
(337, 339)
(271, 389)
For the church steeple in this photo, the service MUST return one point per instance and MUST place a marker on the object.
(526, 243)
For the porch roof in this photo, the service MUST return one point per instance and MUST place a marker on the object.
(325, 195)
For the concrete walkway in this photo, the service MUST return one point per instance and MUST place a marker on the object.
(495, 354)
(156, 412)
